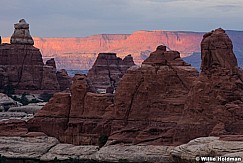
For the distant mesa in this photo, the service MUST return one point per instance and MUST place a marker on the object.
(21, 34)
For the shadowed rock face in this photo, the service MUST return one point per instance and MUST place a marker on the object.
(107, 70)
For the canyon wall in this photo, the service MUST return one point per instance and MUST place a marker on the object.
(80, 53)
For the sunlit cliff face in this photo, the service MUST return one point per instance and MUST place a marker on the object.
(80, 53)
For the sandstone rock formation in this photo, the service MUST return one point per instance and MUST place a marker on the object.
(51, 62)
(156, 92)
(73, 119)
(21, 64)
(107, 70)
(217, 51)
(215, 101)
(21, 34)
(63, 79)
(150, 100)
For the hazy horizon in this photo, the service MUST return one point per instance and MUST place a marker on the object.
(76, 18)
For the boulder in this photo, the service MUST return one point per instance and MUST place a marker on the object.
(6, 102)
(21, 34)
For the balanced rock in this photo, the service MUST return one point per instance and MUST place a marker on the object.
(21, 34)
(21, 64)
(108, 70)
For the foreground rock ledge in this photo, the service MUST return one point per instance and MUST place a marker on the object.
(48, 148)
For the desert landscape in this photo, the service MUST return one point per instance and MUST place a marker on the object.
(161, 110)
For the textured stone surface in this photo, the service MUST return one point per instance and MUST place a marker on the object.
(67, 151)
(26, 147)
(52, 119)
(135, 153)
(48, 148)
(150, 100)
(205, 146)
(21, 34)
(107, 70)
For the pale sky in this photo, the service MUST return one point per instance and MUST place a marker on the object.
(79, 18)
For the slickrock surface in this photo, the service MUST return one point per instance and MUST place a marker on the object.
(48, 148)
(107, 70)
(26, 147)
(135, 153)
(206, 146)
